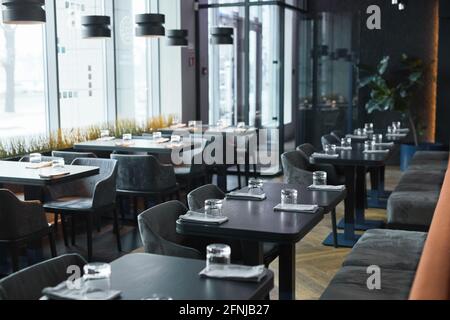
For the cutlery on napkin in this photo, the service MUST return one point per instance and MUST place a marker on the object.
(326, 188)
(198, 217)
(235, 273)
(298, 208)
(239, 195)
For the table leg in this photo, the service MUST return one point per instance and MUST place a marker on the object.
(286, 277)
(253, 253)
(222, 178)
(348, 238)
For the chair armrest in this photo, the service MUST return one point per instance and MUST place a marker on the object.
(104, 192)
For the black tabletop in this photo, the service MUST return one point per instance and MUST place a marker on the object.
(357, 157)
(16, 173)
(138, 145)
(257, 220)
(140, 276)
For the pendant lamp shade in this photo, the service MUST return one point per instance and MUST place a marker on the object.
(222, 36)
(23, 11)
(150, 25)
(177, 37)
(95, 27)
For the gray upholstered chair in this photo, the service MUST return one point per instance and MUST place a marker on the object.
(87, 198)
(334, 176)
(143, 176)
(29, 283)
(330, 139)
(196, 201)
(69, 157)
(158, 231)
(297, 170)
(21, 223)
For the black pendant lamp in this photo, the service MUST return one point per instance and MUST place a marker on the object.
(150, 25)
(23, 11)
(222, 36)
(177, 38)
(95, 27)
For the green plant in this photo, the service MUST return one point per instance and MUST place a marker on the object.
(395, 90)
(65, 139)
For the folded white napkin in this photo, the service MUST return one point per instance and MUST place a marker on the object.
(40, 165)
(106, 139)
(298, 208)
(61, 292)
(161, 140)
(179, 126)
(198, 217)
(397, 135)
(344, 148)
(376, 151)
(234, 273)
(240, 195)
(385, 144)
(352, 136)
(326, 188)
(124, 144)
(325, 156)
(405, 130)
(51, 173)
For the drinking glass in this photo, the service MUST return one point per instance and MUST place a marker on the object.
(255, 186)
(104, 133)
(378, 138)
(217, 255)
(35, 158)
(369, 146)
(397, 125)
(289, 196)
(241, 125)
(346, 142)
(213, 207)
(97, 277)
(320, 178)
(58, 163)
(330, 149)
(127, 137)
(369, 127)
(390, 130)
(157, 135)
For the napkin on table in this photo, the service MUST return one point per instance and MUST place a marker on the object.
(325, 156)
(198, 217)
(298, 208)
(326, 188)
(239, 195)
(61, 292)
(235, 273)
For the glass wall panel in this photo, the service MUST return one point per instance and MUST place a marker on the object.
(133, 63)
(22, 81)
(82, 68)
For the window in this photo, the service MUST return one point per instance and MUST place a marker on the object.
(22, 81)
(82, 66)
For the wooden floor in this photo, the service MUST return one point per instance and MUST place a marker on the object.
(316, 264)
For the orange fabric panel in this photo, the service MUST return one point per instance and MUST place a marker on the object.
(433, 275)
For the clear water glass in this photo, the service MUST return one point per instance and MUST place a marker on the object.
(369, 146)
(320, 178)
(58, 163)
(241, 125)
(397, 125)
(97, 277)
(377, 138)
(390, 130)
(104, 133)
(369, 127)
(127, 137)
(35, 158)
(217, 255)
(213, 207)
(359, 132)
(346, 142)
(255, 186)
(289, 196)
(330, 149)
(157, 135)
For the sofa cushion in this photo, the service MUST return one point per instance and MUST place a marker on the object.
(390, 249)
(350, 283)
(416, 180)
(412, 208)
(431, 155)
(429, 165)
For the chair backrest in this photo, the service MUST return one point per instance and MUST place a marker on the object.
(329, 139)
(69, 157)
(338, 134)
(157, 227)
(142, 173)
(101, 188)
(307, 149)
(296, 168)
(19, 219)
(29, 283)
(196, 199)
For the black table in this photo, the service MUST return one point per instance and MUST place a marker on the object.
(139, 276)
(255, 222)
(138, 145)
(12, 172)
(355, 163)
